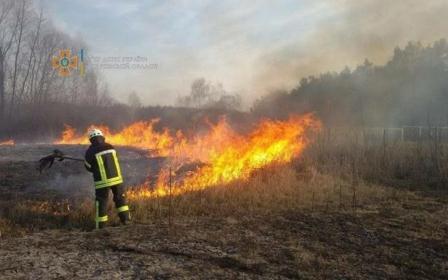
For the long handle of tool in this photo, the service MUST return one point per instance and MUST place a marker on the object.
(72, 158)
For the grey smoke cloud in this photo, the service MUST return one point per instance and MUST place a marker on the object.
(357, 29)
(251, 47)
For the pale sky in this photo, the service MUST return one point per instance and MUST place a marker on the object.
(251, 47)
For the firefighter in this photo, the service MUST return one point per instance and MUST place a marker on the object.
(102, 161)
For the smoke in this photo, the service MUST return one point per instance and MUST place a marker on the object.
(351, 31)
(70, 186)
(251, 47)
(70, 179)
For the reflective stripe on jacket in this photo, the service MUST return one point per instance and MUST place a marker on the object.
(102, 161)
(109, 169)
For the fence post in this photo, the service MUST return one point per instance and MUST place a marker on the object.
(170, 200)
(384, 146)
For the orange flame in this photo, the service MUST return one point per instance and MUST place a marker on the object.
(140, 134)
(229, 156)
(7, 143)
(225, 155)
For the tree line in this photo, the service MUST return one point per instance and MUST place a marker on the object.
(411, 88)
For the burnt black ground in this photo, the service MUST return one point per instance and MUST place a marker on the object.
(18, 174)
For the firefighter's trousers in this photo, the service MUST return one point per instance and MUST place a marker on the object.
(101, 199)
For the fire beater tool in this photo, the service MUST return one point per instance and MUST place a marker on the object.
(47, 161)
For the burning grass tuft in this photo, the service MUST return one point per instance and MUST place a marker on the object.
(7, 143)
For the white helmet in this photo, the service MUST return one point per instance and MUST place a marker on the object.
(95, 132)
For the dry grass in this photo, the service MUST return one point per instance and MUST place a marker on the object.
(270, 190)
(351, 155)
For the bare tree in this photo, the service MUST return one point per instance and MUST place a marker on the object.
(134, 100)
(32, 55)
(205, 94)
(104, 98)
(7, 34)
(21, 25)
(200, 92)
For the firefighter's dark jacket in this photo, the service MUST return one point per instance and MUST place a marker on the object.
(101, 159)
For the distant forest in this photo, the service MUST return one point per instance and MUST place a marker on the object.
(410, 89)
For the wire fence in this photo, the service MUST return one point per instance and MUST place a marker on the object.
(376, 135)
